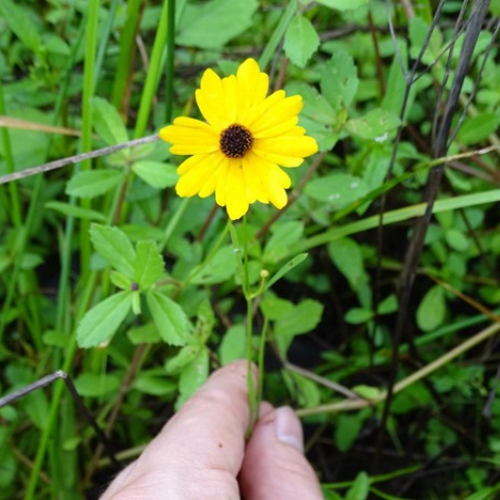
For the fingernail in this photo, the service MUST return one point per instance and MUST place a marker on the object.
(288, 428)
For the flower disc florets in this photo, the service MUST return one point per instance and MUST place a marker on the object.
(246, 139)
(235, 141)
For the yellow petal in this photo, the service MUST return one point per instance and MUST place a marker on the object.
(221, 188)
(193, 149)
(192, 161)
(283, 128)
(297, 146)
(252, 86)
(255, 190)
(190, 184)
(281, 111)
(211, 181)
(282, 160)
(260, 108)
(182, 134)
(236, 196)
(230, 98)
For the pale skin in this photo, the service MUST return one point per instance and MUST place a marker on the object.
(201, 452)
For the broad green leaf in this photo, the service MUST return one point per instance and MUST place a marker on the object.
(232, 346)
(217, 270)
(339, 80)
(108, 122)
(358, 316)
(186, 355)
(149, 264)
(457, 240)
(285, 269)
(115, 247)
(169, 318)
(193, 376)
(389, 305)
(376, 125)
(304, 390)
(301, 41)
(92, 183)
(97, 385)
(212, 24)
(156, 174)
(75, 211)
(205, 321)
(154, 385)
(344, 5)
(431, 312)
(101, 322)
(347, 428)
(360, 489)
(337, 189)
(55, 338)
(347, 257)
(418, 29)
(121, 281)
(275, 308)
(21, 24)
(285, 235)
(478, 128)
(144, 334)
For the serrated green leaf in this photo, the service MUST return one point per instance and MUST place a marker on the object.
(149, 264)
(144, 334)
(108, 122)
(102, 321)
(337, 189)
(301, 41)
(21, 25)
(218, 269)
(376, 125)
(169, 318)
(282, 238)
(75, 211)
(92, 183)
(157, 174)
(188, 353)
(212, 24)
(193, 376)
(303, 318)
(115, 247)
(339, 80)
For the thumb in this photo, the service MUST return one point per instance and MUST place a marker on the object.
(275, 466)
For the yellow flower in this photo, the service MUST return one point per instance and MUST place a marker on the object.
(238, 152)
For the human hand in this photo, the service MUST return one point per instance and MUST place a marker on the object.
(201, 452)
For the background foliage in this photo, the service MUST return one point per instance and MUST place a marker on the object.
(104, 252)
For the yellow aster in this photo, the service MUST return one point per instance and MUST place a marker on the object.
(246, 139)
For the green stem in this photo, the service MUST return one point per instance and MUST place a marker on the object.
(262, 350)
(88, 93)
(169, 91)
(173, 222)
(153, 74)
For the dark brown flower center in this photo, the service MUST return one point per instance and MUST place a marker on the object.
(235, 141)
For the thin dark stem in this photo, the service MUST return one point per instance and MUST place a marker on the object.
(53, 165)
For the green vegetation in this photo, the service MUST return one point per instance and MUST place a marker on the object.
(370, 301)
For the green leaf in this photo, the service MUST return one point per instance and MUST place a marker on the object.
(301, 41)
(108, 122)
(337, 189)
(144, 334)
(92, 183)
(275, 308)
(347, 428)
(169, 318)
(157, 174)
(339, 80)
(21, 25)
(149, 264)
(418, 29)
(154, 385)
(344, 5)
(115, 247)
(358, 316)
(218, 269)
(186, 355)
(478, 128)
(457, 240)
(347, 257)
(360, 489)
(212, 24)
(282, 238)
(376, 125)
(75, 211)
(101, 322)
(232, 346)
(285, 269)
(97, 385)
(193, 376)
(431, 312)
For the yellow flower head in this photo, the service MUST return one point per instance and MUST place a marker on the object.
(238, 153)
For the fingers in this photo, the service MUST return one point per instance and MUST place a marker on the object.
(275, 466)
(199, 450)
